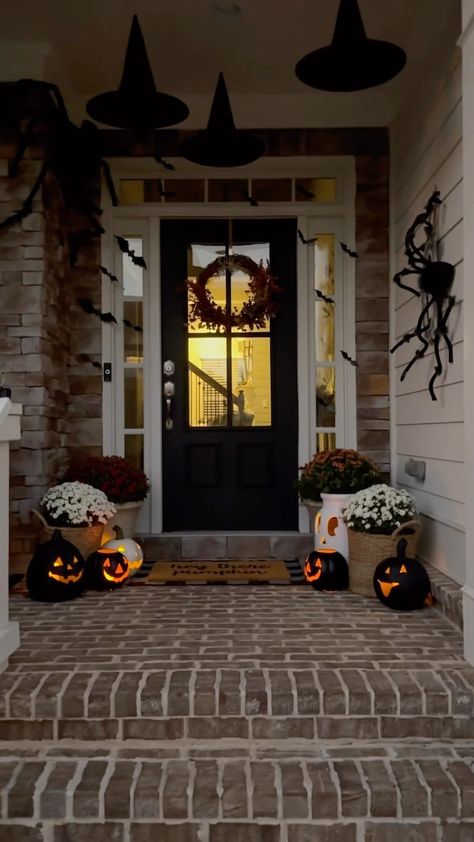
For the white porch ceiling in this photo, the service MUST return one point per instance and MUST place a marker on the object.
(81, 47)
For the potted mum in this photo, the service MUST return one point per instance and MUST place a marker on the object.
(124, 484)
(376, 518)
(79, 511)
(333, 476)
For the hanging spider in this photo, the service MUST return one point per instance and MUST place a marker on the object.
(435, 280)
(73, 154)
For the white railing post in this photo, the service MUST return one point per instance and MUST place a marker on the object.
(9, 431)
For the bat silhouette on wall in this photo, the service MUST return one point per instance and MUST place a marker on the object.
(124, 247)
(304, 240)
(349, 359)
(348, 251)
(323, 297)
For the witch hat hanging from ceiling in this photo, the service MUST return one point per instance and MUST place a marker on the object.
(352, 62)
(221, 144)
(137, 104)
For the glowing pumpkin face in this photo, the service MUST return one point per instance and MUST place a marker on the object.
(326, 570)
(107, 569)
(325, 528)
(56, 571)
(131, 550)
(402, 583)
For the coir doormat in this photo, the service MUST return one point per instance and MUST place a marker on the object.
(225, 572)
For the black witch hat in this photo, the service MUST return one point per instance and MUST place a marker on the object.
(137, 104)
(221, 144)
(352, 62)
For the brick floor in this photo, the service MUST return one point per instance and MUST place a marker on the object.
(268, 714)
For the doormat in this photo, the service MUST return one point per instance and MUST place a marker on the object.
(222, 572)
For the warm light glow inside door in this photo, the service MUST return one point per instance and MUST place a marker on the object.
(229, 371)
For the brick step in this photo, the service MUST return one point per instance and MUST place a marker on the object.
(350, 830)
(240, 728)
(222, 790)
(293, 691)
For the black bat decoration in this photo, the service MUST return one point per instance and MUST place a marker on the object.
(323, 297)
(124, 247)
(165, 164)
(304, 192)
(347, 250)
(105, 271)
(87, 305)
(349, 359)
(303, 240)
(250, 199)
(128, 323)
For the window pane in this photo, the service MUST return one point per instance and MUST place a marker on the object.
(315, 190)
(240, 280)
(134, 449)
(207, 396)
(227, 190)
(133, 339)
(324, 324)
(132, 274)
(183, 190)
(326, 397)
(133, 398)
(325, 441)
(251, 382)
(199, 256)
(271, 189)
(131, 191)
(324, 264)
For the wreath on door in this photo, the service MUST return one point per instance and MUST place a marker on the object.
(262, 302)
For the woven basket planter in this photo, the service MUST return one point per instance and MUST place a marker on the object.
(87, 539)
(366, 551)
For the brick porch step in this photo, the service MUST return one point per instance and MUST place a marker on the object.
(202, 788)
(266, 714)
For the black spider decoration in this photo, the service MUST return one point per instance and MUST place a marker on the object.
(435, 280)
(73, 154)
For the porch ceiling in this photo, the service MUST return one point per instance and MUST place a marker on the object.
(81, 47)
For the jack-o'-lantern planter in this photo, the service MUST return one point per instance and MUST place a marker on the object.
(330, 531)
(129, 549)
(326, 570)
(107, 569)
(56, 571)
(402, 583)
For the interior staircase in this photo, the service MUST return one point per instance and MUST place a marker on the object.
(264, 714)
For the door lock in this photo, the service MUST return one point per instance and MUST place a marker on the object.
(168, 389)
(168, 368)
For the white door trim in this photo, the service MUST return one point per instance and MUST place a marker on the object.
(311, 219)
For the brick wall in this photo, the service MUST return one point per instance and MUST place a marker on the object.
(43, 333)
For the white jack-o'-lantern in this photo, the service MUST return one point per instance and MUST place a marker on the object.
(329, 528)
(129, 549)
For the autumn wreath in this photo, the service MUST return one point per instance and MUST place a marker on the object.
(261, 304)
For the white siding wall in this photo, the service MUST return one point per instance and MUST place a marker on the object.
(427, 154)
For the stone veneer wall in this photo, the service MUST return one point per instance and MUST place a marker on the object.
(43, 333)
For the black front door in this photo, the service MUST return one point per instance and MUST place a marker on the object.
(230, 398)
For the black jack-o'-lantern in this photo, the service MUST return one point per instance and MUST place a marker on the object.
(326, 570)
(402, 583)
(56, 571)
(107, 569)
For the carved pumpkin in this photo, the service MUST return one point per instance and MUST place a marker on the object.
(329, 527)
(107, 569)
(129, 548)
(56, 571)
(402, 583)
(326, 570)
